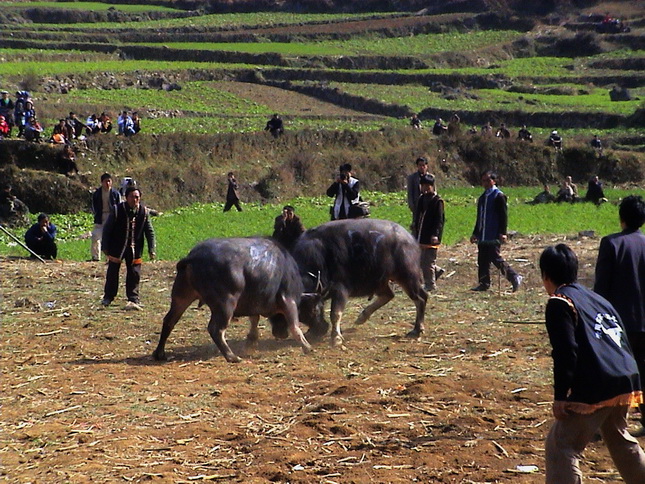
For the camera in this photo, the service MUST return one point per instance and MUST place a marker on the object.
(343, 176)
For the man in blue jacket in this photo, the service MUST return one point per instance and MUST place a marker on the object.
(595, 376)
(490, 232)
(620, 278)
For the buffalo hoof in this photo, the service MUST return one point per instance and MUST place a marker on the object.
(233, 358)
(307, 349)
(361, 319)
(336, 341)
(415, 334)
(159, 355)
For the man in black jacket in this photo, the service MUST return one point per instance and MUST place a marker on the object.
(287, 227)
(428, 229)
(123, 235)
(595, 377)
(620, 278)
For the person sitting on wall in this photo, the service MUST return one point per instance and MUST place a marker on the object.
(503, 132)
(33, 130)
(525, 135)
(555, 140)
(5, 129)
(596, 144)
(439, 127)
(40, 237)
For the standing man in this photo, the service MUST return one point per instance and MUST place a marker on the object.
(595, 377)
(345, 190)
(287, 227)
(428, 229)
(105, 197)
(414, 190)
(232, 197)
(620, 278)
(123, 235)
(40, 238)
(490, 232)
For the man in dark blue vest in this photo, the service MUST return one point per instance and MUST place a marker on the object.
(490, 233)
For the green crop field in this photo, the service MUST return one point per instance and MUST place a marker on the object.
(420, 97)
(220, 20)
(417, 46)
(91, 6)
(202, 221)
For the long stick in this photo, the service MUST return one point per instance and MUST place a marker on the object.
(23, 245)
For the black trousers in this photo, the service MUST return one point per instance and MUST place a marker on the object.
(231, 203)
(132, 278)
(45, 248)
(489, 253)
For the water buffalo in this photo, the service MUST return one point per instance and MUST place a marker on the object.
(353, 258)
(237, 277)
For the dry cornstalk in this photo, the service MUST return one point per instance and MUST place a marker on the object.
(56, 412)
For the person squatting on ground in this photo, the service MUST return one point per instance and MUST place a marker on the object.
(595, 377)
(104, 199)
(595, 192)
(620, 278)
(490, 232)
(40, 238)
(287, 227)
(123, 238)
(428, 228)
(232, 197)
(346, 190)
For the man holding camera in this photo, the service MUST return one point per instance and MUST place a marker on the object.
(345, 189)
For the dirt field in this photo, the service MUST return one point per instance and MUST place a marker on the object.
(83, 401)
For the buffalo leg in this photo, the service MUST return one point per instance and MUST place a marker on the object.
(291, 314)
(177, 307)
(415, 291)
(338, 303)
(382, 298)
(254, 334)
(220, 317)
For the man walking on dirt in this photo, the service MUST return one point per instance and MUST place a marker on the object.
(620, 278)
(490, 232)
(123, 235)
(595, 377)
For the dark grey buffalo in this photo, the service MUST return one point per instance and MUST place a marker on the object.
(354, 258)
(237, 277)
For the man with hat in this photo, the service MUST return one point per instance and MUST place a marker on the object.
(428, 229)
